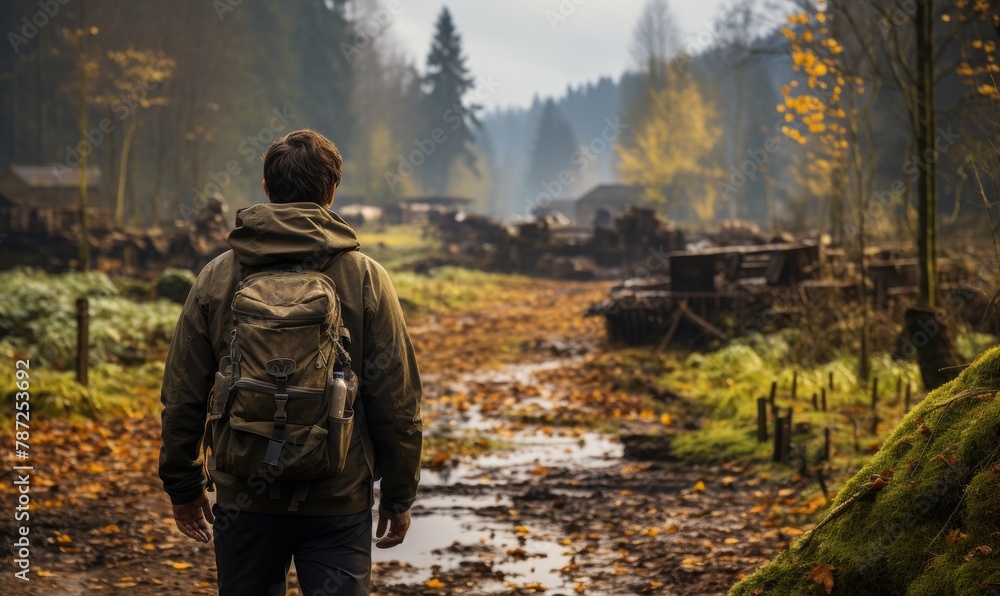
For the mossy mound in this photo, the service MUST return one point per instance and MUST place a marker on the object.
(934, 528)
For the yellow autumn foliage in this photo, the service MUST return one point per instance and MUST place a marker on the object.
(670, 145)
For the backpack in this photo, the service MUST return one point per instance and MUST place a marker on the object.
(270, 406)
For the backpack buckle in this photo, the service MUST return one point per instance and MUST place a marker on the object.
(280, 368)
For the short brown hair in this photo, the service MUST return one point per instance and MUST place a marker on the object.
(302, 166)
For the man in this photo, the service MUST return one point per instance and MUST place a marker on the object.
(329, 533)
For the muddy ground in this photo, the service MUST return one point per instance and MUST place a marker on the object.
(526, 489)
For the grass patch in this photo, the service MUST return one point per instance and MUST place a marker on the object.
(395, 247)
(113, 391)
(452, 288)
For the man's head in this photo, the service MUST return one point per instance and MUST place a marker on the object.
(302, 166)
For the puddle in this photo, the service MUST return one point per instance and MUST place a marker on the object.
(528, 453)
(445, 531)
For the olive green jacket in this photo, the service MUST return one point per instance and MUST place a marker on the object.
(382, 356)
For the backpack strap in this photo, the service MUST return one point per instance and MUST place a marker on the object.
(280, 369)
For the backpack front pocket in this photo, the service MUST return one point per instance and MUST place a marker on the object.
(303, 454)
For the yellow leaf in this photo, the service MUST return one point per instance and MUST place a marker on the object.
(699, 486)
(522, 530)
(666, 419)
(63, 539)
(434, 583)
(180, 565)
(43, 573)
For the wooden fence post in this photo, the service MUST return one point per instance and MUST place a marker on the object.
(762, 419)
(82, 340)
(770, 399)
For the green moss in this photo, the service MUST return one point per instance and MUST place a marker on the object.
(933, 529)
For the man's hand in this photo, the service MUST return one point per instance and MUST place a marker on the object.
(397, 525)
(194, 519)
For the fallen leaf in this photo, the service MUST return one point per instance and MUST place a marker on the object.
(699, 486)
(434, 583)
(180, 565)
(822, 574)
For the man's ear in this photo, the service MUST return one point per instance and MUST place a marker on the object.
(263, 184)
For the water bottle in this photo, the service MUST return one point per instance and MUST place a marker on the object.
(338, 397)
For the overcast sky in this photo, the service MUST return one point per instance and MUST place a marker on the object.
(530, 47)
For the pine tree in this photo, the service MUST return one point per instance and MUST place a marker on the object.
(553, 147)
(446, 83)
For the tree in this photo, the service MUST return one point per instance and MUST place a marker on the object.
(135, 71)
(667, 150)
(654, 41)
(830, 114)
(86, 69)
(446, 83)
(553, 147)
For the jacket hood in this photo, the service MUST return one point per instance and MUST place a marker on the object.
(270, 232)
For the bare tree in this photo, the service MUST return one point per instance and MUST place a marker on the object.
(656, 38)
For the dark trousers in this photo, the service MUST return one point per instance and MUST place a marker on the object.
(253, 552)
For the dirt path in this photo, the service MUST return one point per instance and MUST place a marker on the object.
(523, 494)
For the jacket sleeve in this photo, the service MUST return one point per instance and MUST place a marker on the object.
(390, 393)
(187, 379)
